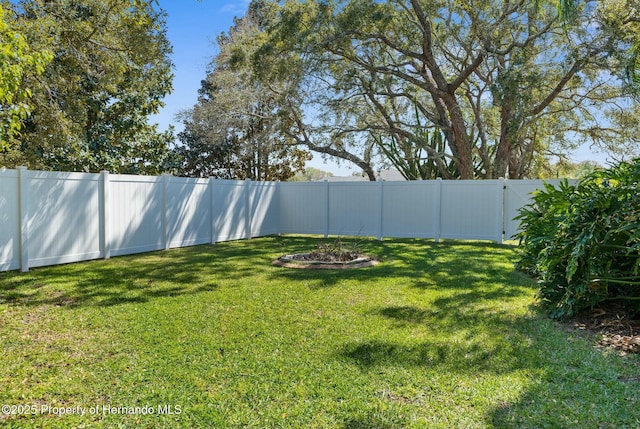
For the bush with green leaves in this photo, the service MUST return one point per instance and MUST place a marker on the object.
(582, 241)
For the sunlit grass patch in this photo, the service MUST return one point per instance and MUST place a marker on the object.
(438, 335)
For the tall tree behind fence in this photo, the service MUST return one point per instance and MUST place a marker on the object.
(49, 218)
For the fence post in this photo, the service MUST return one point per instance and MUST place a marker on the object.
(278, 205)
(212, 207)
(327, 213)
(103, 198)
(23, 212)
(247, 202)
(500, 207)
(381, 207)
(165, 233)
(438, 208)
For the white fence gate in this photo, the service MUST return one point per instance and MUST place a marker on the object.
(49, 218)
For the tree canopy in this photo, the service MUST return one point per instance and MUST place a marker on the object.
(110, 69)
(623, 18)
(235, 130)
(448, 88)
(17, 61)
(453, 88)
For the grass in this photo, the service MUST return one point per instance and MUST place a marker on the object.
(436, 336)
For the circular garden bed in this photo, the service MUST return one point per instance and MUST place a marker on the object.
(315, 261)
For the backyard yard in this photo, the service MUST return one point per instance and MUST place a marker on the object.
(438, 335)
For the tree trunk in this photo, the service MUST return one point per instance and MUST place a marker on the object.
(505, 144)
(461, 143)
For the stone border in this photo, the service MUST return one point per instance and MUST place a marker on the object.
(288, 261)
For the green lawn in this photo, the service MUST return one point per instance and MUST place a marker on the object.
(437, 336)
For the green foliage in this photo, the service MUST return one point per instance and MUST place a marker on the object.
(419, 157)
(235, 130)
(619, 17)
(109, 71)
(412, 157)
(17, 61)
(582, 240)
(310, 174)
(505, 84)
(564, 168)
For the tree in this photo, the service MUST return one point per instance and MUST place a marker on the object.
(564, 168)
(17, 61)
(311, 174)
(110, 71)
(623, 18)
(235, 131)
(506, 84)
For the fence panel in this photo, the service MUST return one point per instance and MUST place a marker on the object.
(135, 214)
(50, 218)
(231, 216)
(470, 210)
(303, 207)
(188, 202)
(517, 195)
(411, 209)
(354, 208)
(265, 208)
(10, 220)
(63, 217)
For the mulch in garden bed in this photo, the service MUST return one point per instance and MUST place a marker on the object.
(613, 327)
(316, 261)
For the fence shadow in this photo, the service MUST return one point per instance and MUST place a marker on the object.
(530, 343)
(133, 279)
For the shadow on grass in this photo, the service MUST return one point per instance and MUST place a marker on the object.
(486, 340)
(193, 270)
(136, 278)
(423, 263)
(406, 314)
(567, 383)
(371, 422)
(570, 383)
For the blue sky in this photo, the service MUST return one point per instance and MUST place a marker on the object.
(192, 28)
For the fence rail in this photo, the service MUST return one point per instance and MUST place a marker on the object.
(49, 218)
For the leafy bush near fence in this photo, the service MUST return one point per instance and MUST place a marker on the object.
(583, 241)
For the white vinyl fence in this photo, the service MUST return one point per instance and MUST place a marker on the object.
(49, 218)
(439, 209)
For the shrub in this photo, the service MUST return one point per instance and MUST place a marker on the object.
(583, 241)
